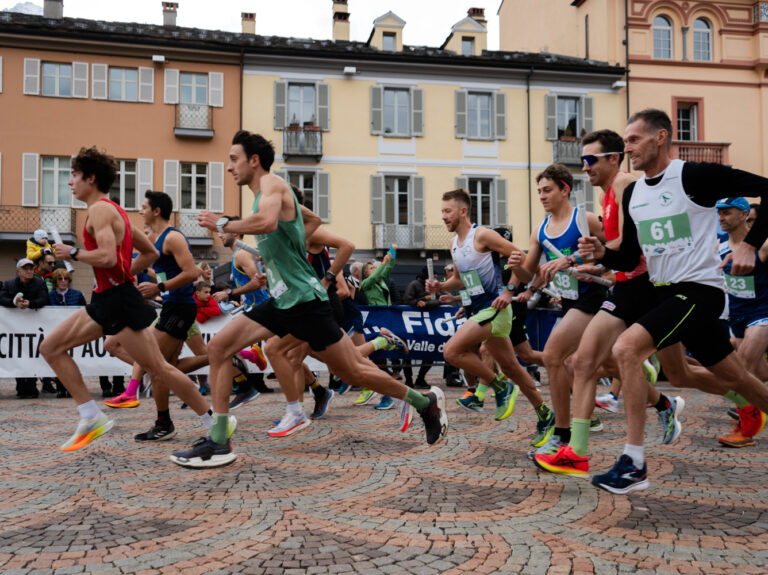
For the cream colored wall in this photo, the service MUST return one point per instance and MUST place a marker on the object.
(377, 40)
(454, 41)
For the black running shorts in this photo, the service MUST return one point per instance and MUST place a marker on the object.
(176, 319)
(518, 334)
(588, 302)
(120, 307)
(629, 300)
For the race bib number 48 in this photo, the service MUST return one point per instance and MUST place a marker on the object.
(667, 235)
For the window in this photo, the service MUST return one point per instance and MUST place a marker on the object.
(55, 181)
(397, 112)
(305, 181)
(396, 200)
(388, 42)
(568, 115)
(687, 122)
(479, 115)
(467, 46)
(194, 88)
(301, 103)
(123, 190)
(123, 84)
(589, 193)
(194, 184)
(702, 41)
(480, 192)
(662, 38)
(57, 80)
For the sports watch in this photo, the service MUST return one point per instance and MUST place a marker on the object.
(220, 223)
(330, 276)
(73, 253)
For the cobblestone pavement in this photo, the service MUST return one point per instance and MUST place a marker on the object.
(351, 494)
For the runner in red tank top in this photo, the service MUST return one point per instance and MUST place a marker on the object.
(120, 273)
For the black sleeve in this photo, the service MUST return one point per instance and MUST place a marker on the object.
(411, 296)
(627, 257)
(6, 299)
(706, 183)
(38, 294)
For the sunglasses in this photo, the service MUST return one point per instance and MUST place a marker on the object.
(591, 159)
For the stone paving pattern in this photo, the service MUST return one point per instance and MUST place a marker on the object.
(351, 494)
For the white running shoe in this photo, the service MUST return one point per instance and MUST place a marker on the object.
(290, 424)
(607, 402)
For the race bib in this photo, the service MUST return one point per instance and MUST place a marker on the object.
(741, 286)
(567, 286)
(472, 283)
(277, 286)
(465, 299)
(161, 277)
(667, 235)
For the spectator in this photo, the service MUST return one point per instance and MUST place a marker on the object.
(375, 277)
(36, 244)
(44, 269)
(206, 305)
(62, 295)
(205, 272)
(754, 209)
(353, 280)
(416, 295)
(25, 291)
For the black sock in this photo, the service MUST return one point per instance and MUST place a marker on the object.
(164, 417)
(663, 403)
(564, 433)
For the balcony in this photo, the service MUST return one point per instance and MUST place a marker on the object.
(567, 151)
(700, 151)
(193, 121)
(303, 142)
(411, 237)
(187, 224)
(20, 222)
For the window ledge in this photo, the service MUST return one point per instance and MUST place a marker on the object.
(192, 133)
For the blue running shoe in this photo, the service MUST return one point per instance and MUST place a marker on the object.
(243, 398)
(505, 401)
(385, 403)
(343, 388)
(470, 402)
(321, 403)
(623, 477)
(544, 430)
(670, 424)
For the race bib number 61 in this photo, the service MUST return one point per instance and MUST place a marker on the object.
(667, 235)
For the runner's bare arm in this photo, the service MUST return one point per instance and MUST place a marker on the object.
(344, 247)
(453, 282)
(595, 226)
(147, 252)
(175, 245)
(311, 221)
(102, 218)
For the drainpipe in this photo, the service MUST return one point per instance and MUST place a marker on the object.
(626, 64)
(530, 171)
(240, 121)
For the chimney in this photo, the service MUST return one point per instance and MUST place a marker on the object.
(340, 21)
(249, 22)
(53, 9)
(478, 14)
(169, 13)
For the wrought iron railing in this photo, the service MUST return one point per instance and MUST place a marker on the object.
(187, 223)
(194, 117)
(303, 141)
(700, 151)
(567, 152)
(23, 219)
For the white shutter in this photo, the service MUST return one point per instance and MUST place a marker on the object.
(32, 76)
(216, 89)
(171, 86)
(323, 106)
(144, 177)
(500, 201)
(99, 81)
(171, 181)
(281, 104)
(417, 111)
(587, 115)
(75, 202)
(460, 125)
(1, 74)
(377, 199)
(377, 111)
(417, 212)
(462, 182)
(216, 187)
(147, 85)
(500, 113)
(79, 79)
(550, 106)
(323, 203)
(29, 173)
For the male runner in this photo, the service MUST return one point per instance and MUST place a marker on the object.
(298, 307)
(669, 218)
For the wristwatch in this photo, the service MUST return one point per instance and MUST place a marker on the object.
(510, 287)
(161, 286)
(73, 253)
(228, 292)
(220, 223)
(330, 276)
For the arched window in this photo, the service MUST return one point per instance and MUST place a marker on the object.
(702, 41)
(662, 38)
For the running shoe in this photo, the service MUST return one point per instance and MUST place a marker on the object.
(550, 447)
(606, 381)
(670, 424)
(322, 402)
(471, 402)
(158, 432)
(87, 431)
(623, 477)
(469, 391)
(656, 363)
(255, 355)
(751, 420)
(434, 417)
(505, 401)
(544, 430)
(365, 397)
(243, 398)
(595, 424)
(650, 373)
(385, 403)
(343, 388)
(122, 400)
(564, 462)
(394, 343)
(232, 426)
(608, 402)
(205, 453)
(406, 415)
(289, 424)
(736, 439)
(239, 364)
(733, 413)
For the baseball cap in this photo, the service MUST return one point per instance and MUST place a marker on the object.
(505, 233)
(738, 203)
(40, 235)
(24, 262)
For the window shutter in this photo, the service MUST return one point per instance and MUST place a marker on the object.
(75, 202)
(323, 203)
(32, 76)
(461, 113)
(588, 114)
(462, 182)
(79, 79)
(216, 187)
(323, 106)
(377, 111)
(281, 104)
(216, 89)
(500, 112)
(171, 86)
(1, 74)
(500, 201)
(417, 111)
(417, 212)
(144, 177)
(171, 181)
(146, 85)
(550, 105)
(377, 199)
(29, 173)
(99, 81)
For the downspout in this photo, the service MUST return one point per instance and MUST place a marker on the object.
(530, 171)
(240, 121)
(626, 64)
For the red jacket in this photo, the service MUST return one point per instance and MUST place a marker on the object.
(206, 311)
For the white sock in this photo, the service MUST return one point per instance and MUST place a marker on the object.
(294, 408)
(207, 419)
(89, 410)
(635, 452)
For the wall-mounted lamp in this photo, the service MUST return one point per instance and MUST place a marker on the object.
(619, 84)
(158, 58)
(350, 70)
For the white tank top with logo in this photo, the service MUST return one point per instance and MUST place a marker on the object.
(481, 277)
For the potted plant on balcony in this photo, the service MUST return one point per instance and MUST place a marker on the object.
(310, 126)
(294, 125)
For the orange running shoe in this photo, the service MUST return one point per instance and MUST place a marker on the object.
(751, 420)
(87, 431)
(255, 355)
(736, 439)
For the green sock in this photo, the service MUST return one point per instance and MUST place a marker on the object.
(737, 399)
(416, 399)
(580, 436)
(379, 343)
(499, 384)
(542, 412)
(220, 428)
(480, 391)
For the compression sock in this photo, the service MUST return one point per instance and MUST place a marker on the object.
(220, 428)
(737, 399)
(663, 403)
(480, 391)
(580, 436)
(416, 399)
(543, 412)
(133, 387)
(564, 433)
(636, 453)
